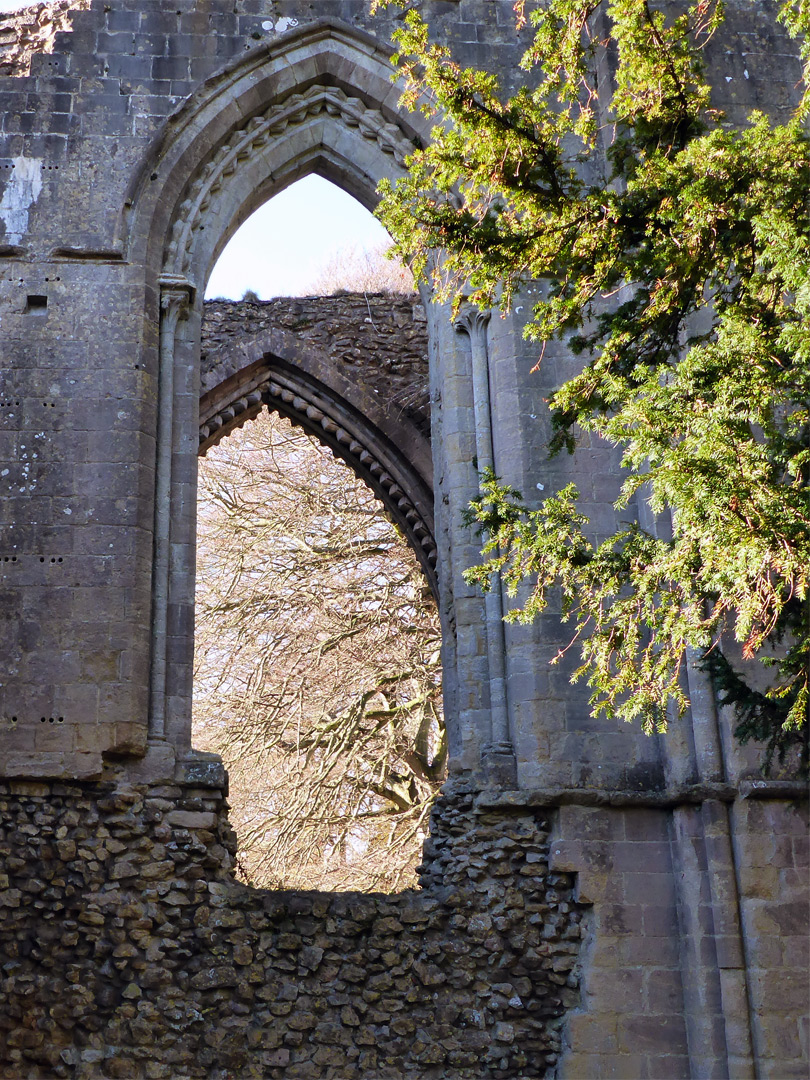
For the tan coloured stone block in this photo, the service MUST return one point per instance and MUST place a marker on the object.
(663, 991)
(622, 988)
(29, 787)
(128, 738)
(54, 738)
(662, 1034)
(592, 1035)
(187, 819)
(60, 766)
(91, 738)
(779, 1036)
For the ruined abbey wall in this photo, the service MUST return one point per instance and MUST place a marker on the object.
(352, 371)
(131, 952)
(594, 902)
(376, 341)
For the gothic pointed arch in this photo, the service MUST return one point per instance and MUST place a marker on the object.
(276, 370)
(317, 99)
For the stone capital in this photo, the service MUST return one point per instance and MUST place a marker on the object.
(176, 295)
(472, 320)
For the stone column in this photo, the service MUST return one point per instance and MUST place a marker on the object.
(175, 296)
(713, 963)
(499, 755)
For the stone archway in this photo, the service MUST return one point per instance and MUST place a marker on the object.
(319, 99)
(315, 100)
(384, 442)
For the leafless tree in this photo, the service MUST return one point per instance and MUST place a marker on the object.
(317, 670)
(362, 270)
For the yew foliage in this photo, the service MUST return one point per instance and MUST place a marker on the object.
(677, 264)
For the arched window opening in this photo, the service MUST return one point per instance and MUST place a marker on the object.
(317, 672)
(317, 668)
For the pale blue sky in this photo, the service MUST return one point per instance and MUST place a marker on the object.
(278, 250)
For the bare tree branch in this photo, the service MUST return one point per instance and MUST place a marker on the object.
(317, 672)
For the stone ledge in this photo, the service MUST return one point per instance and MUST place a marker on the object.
(774, 789)
(688, 794)
(202, 770)
(41, 765)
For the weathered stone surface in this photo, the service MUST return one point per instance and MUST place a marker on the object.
(290, 984)
(352, 370)
(133, 138)
(379, 341)
(26, 33)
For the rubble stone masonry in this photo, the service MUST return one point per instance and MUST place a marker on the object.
(130, 951)
(594, 903)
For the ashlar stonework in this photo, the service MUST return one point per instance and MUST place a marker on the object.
(593, 902)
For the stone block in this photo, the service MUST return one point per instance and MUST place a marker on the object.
(663, 991)
(592, 1035)
(729, 951)
(645, 825)
(652, 951)
(649, 858)
(621, 992)
(659, 1034)
(652, 889)
(186, 819)
(65, 766)
(659, 921)
(619, 919)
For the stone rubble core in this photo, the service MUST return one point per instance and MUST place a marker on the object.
(32, 30)
(130, 950)
(351, 370)
(379, 340)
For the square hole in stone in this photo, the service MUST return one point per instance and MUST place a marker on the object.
(36, 304)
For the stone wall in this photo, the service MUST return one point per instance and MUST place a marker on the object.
(773, 856)
(374, 339)
(564, 941)
(130, 951)
(133, 145)
(352, 371)
(32, 31)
